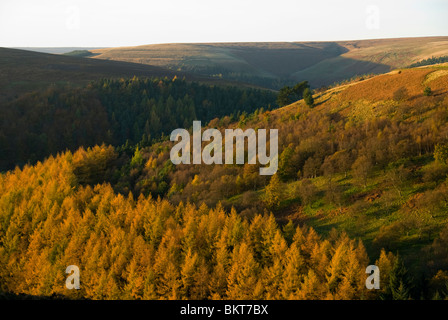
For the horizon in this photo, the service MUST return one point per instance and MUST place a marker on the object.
(57, 24)
(227, 42)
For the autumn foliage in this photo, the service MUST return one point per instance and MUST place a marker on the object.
(139, 227)
(146, 248)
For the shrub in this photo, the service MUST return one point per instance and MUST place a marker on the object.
(389, 236)
(400, 94)
(435, 173)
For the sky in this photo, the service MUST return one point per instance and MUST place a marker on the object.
(112, 23)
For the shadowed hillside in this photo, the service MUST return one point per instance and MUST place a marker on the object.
(24, 71)
(276, 64)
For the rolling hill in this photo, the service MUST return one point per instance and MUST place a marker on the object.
(24, 71)
(276, 64)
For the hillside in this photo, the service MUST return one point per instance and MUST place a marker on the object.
(24, 71)
(275, 64)
(362, 179)
(115, 111)
(55, 50)
(361, 160)
(368, 162)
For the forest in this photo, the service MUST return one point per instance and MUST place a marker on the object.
(115, 112)
(362, 179)
(144, 248)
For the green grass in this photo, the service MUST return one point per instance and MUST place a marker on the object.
(364, 220)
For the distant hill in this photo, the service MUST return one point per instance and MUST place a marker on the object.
(278, 63)
(79, 53)
(23, 71)
(56, 50)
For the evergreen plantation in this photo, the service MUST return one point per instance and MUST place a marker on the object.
(116, 112)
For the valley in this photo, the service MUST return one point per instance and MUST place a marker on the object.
(87, 177)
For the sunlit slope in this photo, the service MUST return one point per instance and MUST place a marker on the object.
(380, 95)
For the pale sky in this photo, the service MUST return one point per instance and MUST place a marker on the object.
(111, 23)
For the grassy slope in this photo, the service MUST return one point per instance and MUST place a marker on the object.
(321, 63)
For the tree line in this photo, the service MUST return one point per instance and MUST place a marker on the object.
(429, 61)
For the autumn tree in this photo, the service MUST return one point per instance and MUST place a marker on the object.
(286, 169)
(441, 153)
(242, 278)
(306, 191)
(273, 193)
(400, 94)
(362, 169)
